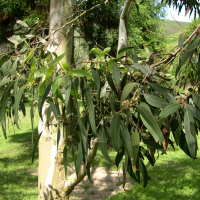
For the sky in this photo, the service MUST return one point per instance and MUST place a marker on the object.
(180, 17)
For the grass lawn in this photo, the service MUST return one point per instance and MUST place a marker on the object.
(18, 180)
(175, 176)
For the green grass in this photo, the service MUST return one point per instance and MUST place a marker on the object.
(17, 178)
(175, 176)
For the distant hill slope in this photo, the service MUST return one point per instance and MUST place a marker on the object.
(174, 27)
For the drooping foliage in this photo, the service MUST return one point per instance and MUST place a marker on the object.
(131, 107)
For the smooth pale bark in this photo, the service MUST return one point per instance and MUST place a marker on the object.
(62, 41)
(123, 26)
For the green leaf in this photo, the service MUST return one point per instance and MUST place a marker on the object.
(97, 80)
(170, 98)
(97, 51)
(194, 111)
(67, 91)
(110, 64)
(89, 102)
(49, 73)
(58, 59)
(152, 143)
(190, 133)
(147, 154)
(103, 143)
(17, 101)
(65, 158)
(3, 60)
(143, 69)
(107, 49)
(43, 98)
(35, 147)
(5, 95)
(4, 81)
(29, 56)
(159, 88)
(187, 53)
(124, 175)
(110, 82)
(31, 76)
(119, 157)
(155, 101)
(196, 100)
(115, 131)
(22, 23)
(67, 68)
(81, 73)
(150, 122)
(126, 91)
(115, 73)
(127, 139)
(55, 111)
(143, 171)
(79, 158)
(170, 109)
(180, 41)
(135, 138)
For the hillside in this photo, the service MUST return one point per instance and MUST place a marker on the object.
(173, 27)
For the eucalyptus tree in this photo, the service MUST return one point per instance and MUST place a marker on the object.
(116, 102)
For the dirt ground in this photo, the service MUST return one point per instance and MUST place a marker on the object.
(106, 183)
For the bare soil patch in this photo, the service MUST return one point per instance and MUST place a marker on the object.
(105, 183)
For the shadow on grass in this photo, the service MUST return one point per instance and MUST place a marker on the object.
(18, 179)
(170, 180)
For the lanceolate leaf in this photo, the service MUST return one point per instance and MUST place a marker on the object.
(81, 73)
(194, 111)
(3, 60)
(49, 73)
(159, 88)
(110, 81)
(155, 101)
(119, 157)
(4, 81)
(153, 144)
(97, 80)
(110, 64)
(65, 158)
(115, 131)
(31, 76)
(115, 73)
(43, 98)
(35, 147)
(196, 99)
(126, 91)
(187, 53)
(151, 123)
(29, 56)
(170, 109)
(89, 102)
(124, 175)
(103, 144)
(55, 111)
(180, 40)
(17, 101)
(3, 102)
(127, 139)
(58, 59)
(190, 133)
(79, 158)
(144, 172)
(67, 91)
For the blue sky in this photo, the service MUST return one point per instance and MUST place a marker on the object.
(180, 17)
